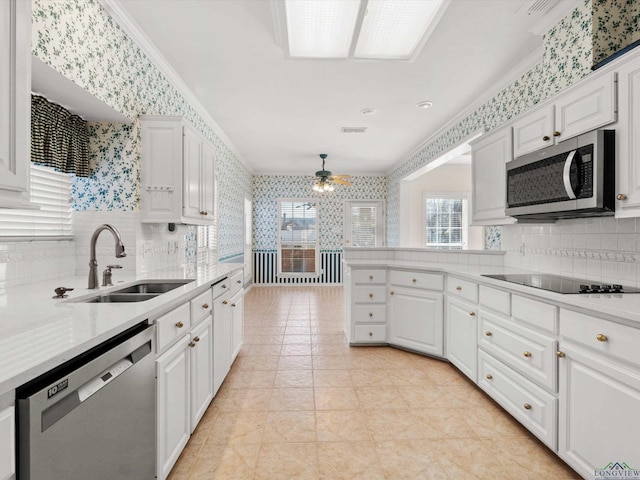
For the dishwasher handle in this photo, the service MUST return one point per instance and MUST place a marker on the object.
(59, 410)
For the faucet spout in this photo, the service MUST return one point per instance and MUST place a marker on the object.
(93, 263)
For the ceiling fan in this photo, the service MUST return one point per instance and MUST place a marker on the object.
(326, 178)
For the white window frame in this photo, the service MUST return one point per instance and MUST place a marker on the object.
(316, 272)
(207, 235)
(465, 216)
(380, 227)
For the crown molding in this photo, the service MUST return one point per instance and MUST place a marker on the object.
(132, 29)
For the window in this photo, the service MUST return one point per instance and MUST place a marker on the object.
(52, 219)
(363, 224)
(297, 239)
(446, 221)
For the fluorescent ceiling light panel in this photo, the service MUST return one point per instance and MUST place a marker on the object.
(392, 29)
(321, 29)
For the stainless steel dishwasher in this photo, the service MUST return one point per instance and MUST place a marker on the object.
(94, 416)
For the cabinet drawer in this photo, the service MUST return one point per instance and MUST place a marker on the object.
(372, 276)
(536, 409)
(172, 325)
(423, 280)
(235, 282)
(463, 289)
(370, 334)
(370, 294)
(495, 299)
(201, 307)
(534, 313)
(370, 313)
(530, 353)
(224, 286)
(610, 338)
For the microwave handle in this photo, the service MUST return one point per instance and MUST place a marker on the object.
(565, 175)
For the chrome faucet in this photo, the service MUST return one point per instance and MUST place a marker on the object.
(93, 264)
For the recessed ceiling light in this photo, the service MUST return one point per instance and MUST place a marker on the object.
(369, 111)
(426, 104)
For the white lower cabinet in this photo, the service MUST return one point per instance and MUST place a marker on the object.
(416, 320)
(221, 340)
(173, 418)
(7, 443)
(237, 323)
(201, 346)
(461, 337)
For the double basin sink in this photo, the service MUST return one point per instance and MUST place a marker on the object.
(138, 292)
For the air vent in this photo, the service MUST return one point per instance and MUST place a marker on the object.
(353, 129)
(536, 7)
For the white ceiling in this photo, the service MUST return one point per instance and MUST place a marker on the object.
(281, 113)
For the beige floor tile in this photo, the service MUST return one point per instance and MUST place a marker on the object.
(442, 423)
(284, 461)
(290, 427)
(293, 378)
(260, 350)
(349, 461)
(238, 427)
(289, 399)
(297, 339)
(393, 425)
(330, 362)
(260, 362)
(332, 378)
(297, 330)
(274, 339)
(186, 462)
(336, 398)
(417, 396)
(253, 379)
(341, 426)
(295, 362)
(247, 399)
(470, 458)
(330, 349)
(382, 397)
(412, 460)
(296, 349)
(226, 462)
(371, 378)
(492, 421)
(329, 338)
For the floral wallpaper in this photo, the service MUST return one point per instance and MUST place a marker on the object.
(566, 58)
(81, 41)
(616, 24)
(268, 189)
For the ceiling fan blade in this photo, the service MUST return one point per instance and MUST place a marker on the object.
(340, 181)
(340, 176)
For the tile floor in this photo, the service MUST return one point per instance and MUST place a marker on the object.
(300, 403)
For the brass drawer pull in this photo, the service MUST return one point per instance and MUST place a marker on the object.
(224, 302)
(370, 277)
(527, 354)
(196, 339)
(192, 344)
(371, 334)
(179, 324)
(233, 304)
(458, 288)
(601, 337)
(488, 333)
(556, 133)
(472, 314)
(205, 305)
(560, 354)
(527, 406)
(391, 292)
(414, 280)
(621, 196)
(371, 314)
(371, 295)
(489, 376)
(546, 138)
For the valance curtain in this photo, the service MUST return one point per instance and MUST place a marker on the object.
(59, 138)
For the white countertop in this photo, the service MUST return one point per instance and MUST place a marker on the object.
(38, 333)
(620, 308)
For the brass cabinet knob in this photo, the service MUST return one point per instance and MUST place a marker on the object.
(414, 280)
(556, 133)
(196, 339)
(371, 295)
(371, 314)
(233, 304)
(391, 292)
(488, 333)
(224, 302)
(205, 305)
(204, 212)
(489, 376)
(224, 285)
(371, 334)
(179, 324)
(559, 354)
(546, 138)
(472, 314)
(192, 344)
(370, 277)
(601, 337)
(527, 406)
(458, 288)
(621, 196)
(527, 354)
(238, 281)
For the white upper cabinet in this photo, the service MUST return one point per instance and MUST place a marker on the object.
(489, 154)
(178, 172)
(628, 141)
(15, 114)
(590, 105)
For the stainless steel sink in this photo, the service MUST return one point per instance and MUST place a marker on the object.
(138, 292)
(120, 298)
(153, 287)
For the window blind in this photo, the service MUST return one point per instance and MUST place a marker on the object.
(444, 222)
(51, 193)
(363, 226)
(298, 228)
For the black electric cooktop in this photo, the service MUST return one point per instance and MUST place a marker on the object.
(559, 284)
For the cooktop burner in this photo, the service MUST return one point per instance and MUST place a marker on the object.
(559, 284)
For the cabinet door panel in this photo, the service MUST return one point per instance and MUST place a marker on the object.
(221, 341)
(415, 321)
(599, 405)
(7, 443)
(462, 341)
(530, 131)
(201, 351)
(192, 155)
(489, 156)
(174, 423)
(208, 179)
(237, 324)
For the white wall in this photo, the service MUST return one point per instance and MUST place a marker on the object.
(454, 178)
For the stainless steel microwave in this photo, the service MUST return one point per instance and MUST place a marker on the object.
(574, 178)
